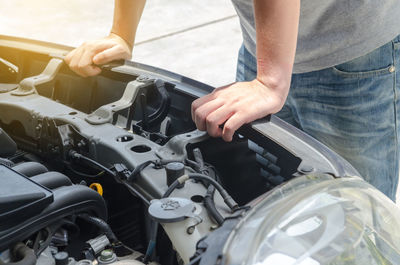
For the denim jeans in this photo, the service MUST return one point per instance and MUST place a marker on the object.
(353, 108)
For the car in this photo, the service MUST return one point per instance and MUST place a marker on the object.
(111, 170)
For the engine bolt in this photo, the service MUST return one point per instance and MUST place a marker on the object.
(107, 256)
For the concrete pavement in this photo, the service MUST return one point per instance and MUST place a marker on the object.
(198, 39)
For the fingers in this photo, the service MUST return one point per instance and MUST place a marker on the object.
(217, 118)
(111, 54)
(235, 105)
(199, 102)
(69, 56)
(211, 114)
(82, 60)
(232, 124)
(201, 113)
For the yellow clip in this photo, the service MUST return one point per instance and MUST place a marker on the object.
(97, 187)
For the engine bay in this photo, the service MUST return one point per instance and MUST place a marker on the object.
(112, 170)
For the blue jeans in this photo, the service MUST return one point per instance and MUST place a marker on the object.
(353, 108)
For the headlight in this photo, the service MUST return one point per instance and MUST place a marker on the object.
(319, 220)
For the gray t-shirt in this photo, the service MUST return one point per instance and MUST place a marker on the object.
(332, 32)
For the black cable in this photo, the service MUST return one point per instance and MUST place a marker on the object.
(224, 194)
(193, 164)
(135, 173)
(209, 202)
(76, 155)
(158, 164)
(135, 192)
(45, 243)
(195, 260)
(210, 205)
(81, 174)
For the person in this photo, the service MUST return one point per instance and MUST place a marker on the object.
(328, 67)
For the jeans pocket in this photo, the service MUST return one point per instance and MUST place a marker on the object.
(378, 62)
(364, 74)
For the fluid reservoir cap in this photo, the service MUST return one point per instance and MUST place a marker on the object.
(171, 210)
(61, 258)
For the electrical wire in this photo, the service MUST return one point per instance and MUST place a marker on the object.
(135, 173)
(195, 260)
(76, 155)
(136, 192)
(209, 202)
(229, 201)
(152, 243)
(81, 174)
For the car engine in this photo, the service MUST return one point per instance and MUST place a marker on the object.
(111, 169)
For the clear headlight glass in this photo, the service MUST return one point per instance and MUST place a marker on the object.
(319, 220)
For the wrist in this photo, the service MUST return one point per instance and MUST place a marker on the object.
(276, 76)
(274, 82)
(121, 39)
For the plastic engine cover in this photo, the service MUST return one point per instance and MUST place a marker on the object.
(20, 197)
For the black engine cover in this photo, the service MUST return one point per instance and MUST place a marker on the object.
(30, 204)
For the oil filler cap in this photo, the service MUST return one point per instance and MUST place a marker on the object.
(171, 210)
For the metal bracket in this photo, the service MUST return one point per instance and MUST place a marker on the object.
(105, 113)
(175, 148)
(28, 85)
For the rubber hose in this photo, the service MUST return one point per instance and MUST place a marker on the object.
(24, 254)
(102, 225)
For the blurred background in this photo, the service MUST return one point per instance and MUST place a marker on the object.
(198, 39)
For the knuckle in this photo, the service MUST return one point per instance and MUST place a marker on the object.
(228, 128)
(200, 126)
(195, 104)
(199, 116)
(104, 57)
(80, 67)
(210, 120)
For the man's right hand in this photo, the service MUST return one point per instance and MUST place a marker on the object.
(85, 59)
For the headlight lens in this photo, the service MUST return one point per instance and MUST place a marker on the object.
(329, 221)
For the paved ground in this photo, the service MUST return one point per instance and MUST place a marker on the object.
(198, 39)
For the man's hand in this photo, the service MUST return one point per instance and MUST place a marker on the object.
(84, 59)
(235, 105)
(118, 45)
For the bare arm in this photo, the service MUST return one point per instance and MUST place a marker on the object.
(277, 27)
(243, 102)
(117, 45)
(127, 15)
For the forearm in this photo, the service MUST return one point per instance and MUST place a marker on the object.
(127, 14)
(276, 27)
